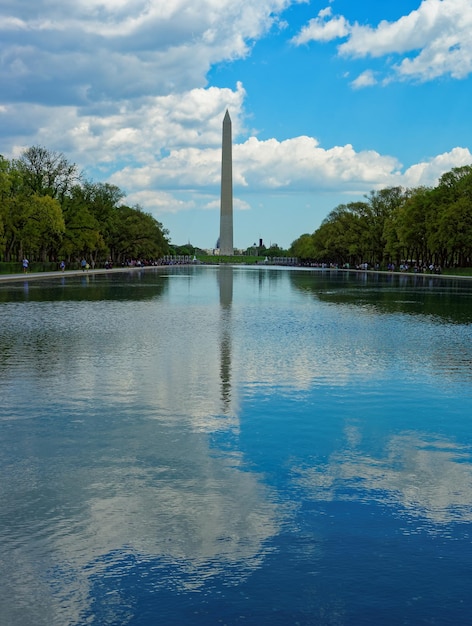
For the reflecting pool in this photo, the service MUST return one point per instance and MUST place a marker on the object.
(236, 445)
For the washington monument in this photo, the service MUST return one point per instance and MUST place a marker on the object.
(226, 203)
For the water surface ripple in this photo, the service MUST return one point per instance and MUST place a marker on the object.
(235, 445)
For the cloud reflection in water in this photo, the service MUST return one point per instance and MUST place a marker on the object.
(422, 477)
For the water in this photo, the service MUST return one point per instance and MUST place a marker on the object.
(235, 446)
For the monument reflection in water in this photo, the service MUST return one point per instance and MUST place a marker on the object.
(235, 445)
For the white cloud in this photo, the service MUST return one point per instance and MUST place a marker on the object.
(138, 130)
(300, 163)
(88, 51)
(430, 24)
(323, 28)
(292, 166)
(158, 202)
(427, 173)
(366, 79)
(433, 40)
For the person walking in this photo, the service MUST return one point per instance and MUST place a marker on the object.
(25, 265)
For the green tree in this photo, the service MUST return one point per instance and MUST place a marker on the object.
(381, 208)
(10, 208)
(342, 238)
(275, 251)
(136, 235)
(34, 225)
(46, 210)
(102, 200)
(303, 247)
(47, 173)
(412, 224)
(82, 237)
(450, 227)
(5, 193)
(43, 226)
(455, 232)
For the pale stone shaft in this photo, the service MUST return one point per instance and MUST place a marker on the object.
(226, 205)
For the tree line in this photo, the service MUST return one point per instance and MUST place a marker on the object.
(48, 212)
(424, 225)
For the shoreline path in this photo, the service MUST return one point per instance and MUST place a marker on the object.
(21, 277)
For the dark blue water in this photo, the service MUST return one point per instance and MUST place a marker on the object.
(236, 446)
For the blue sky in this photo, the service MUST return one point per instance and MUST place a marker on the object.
(329, 100)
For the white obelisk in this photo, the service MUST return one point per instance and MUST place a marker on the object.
(226, 203)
